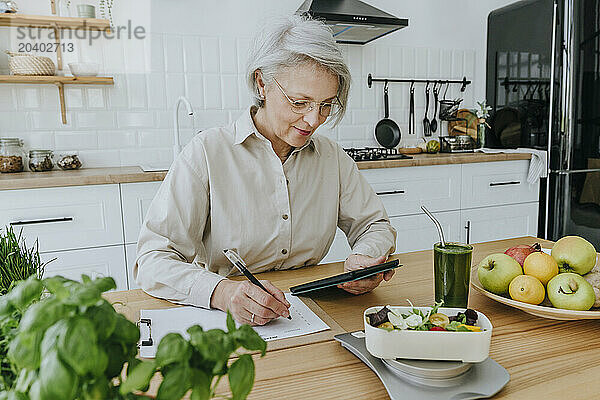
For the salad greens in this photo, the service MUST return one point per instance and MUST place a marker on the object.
(417, 320)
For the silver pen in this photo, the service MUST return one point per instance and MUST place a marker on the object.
(239, 263)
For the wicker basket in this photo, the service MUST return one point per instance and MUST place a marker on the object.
(28, 64)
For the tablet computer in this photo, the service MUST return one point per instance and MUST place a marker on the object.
(345, 277)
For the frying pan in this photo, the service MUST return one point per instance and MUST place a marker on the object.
(387, 132)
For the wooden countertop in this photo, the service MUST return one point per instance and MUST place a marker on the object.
(545, 358)
(100, 176)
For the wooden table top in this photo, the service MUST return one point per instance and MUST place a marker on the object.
(545, 358)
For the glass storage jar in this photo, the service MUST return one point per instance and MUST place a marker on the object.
(69, 160)
(12, 156)
(40, 160)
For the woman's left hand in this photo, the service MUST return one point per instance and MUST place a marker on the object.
(358, 261)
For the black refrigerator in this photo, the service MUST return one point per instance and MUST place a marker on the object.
(543, 84)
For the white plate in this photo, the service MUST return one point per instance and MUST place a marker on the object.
(542, 311)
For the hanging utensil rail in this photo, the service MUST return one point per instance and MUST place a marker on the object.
(464, 81)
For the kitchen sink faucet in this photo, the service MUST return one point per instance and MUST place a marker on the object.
(190, 110)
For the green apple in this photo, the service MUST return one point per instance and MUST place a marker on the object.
(496, 271)
(571, 292)
(574, 254)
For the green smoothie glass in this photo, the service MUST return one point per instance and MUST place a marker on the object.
(452, 273)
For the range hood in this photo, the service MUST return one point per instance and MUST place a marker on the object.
(352, 21)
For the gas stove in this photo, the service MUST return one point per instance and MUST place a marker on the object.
(374, 153)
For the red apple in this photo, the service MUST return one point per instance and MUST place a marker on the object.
(521, 252)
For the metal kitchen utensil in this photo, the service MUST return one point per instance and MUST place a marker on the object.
(411, 115)
(387, 132)
(426, 123)
(436, 92)
(437, 225)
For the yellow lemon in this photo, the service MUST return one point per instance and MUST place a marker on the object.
(541, 265)
(527, 288)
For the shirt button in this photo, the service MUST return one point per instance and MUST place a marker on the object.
(284, 251)
(285, 216)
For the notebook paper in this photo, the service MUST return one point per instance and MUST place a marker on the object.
(304, 321)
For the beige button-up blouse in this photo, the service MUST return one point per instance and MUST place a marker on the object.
(228, 189)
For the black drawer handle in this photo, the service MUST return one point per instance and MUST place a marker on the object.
(41, 221)
(391, 192)
(505, 183)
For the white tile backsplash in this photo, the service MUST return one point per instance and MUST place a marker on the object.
(131, 122)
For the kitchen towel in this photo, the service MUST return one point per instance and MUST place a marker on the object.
(538, 167)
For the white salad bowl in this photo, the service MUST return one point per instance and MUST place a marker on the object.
(84, 69)
(470, 347)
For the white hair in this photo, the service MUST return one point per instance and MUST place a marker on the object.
(289, 41)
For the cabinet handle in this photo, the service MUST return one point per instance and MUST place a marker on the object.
(391, 192)
(468, 229)
(40, 221)
(505, 183)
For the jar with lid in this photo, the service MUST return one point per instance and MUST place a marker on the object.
(40, 160)
(68, 160)
(12, 156)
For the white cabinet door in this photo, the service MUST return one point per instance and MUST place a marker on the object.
(136, 200)
(417, 232)
(500, 222)
(339, 250)
(404, 190)
(99, 262)
(65, 218)
(130, 254)
(497, 183)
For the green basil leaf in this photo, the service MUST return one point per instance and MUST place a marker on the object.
(40, 316)
(210, 344)
(6, 307)
(101, 361)
(51, 336)
(76, 346)
(171, 349)
(104, 284)
(57, 285)
(116, 358)
(25, 293)
(103, 317)
(230, 323)
(25, 379)
(201, 385)
(57, 380)
(24, 350)
(13, 395)
(175, 383)
(98, 389)
(241, 377)
(83, 296)
(139, 378)
(125, 331)
(247, 337)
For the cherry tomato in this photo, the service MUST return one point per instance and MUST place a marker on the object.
(437, 328)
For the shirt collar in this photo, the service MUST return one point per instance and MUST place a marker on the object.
(244, 128)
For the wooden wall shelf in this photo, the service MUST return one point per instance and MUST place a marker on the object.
(66, 80)
(52, 21)
(60, 82)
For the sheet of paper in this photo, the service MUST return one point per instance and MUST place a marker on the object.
(179, 319)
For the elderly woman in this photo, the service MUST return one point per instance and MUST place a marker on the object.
(266, 185)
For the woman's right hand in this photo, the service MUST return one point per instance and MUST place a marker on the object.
(243, 300)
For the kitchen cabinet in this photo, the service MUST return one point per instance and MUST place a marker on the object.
(130, 255)
(417, 232)
(499, 222)
(65, 218)
(136, 198)
(96, 262)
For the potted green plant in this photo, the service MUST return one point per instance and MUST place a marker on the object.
(72, 344)
(17, 261)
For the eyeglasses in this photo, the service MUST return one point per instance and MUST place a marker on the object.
(305, 106)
